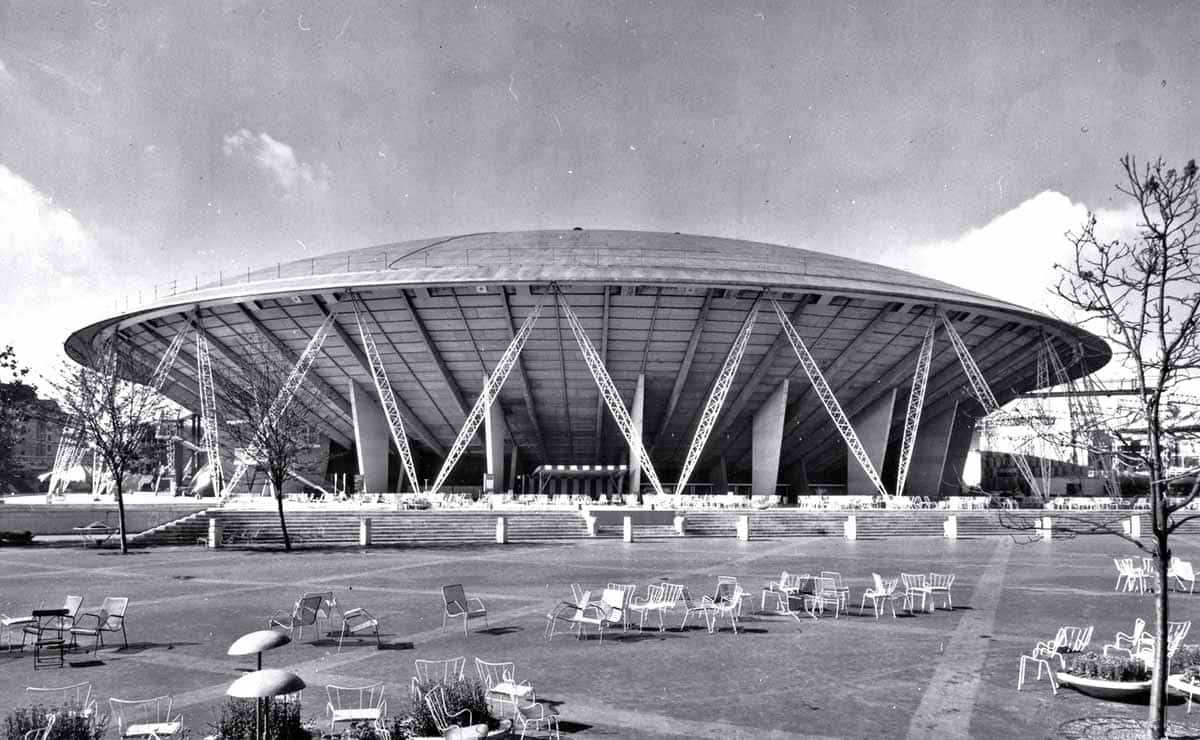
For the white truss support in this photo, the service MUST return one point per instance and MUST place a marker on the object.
(388, 399)
(491, 390)
(825, 393)
(983, 394)
(716, 399)
(159, 378)
(287, 391)
(608, 391)
(1039, 426)
(916, 401)
(208, 413)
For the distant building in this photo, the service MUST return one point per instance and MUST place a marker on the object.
(35, 450)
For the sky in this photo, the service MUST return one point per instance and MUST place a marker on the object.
(143, 143)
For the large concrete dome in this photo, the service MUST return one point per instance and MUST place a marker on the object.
(663, 306)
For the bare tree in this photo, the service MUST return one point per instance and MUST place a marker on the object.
(16, 398)
(267, 434)
(115, 411)
(1144, 291)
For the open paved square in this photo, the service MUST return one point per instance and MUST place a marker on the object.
(942, 674)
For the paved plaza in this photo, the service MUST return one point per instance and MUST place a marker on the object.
(945, 674)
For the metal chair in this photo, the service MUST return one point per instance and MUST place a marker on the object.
(149, 718)
(76, 696)
(500, 683)
(882, 593)
(457, 604)
(357, 621)
(304, 613)
(356, 704)
(432, 673)
(110, 618)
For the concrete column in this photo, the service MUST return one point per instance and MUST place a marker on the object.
(929, 455)
(627, 527)
(501, 531)
(718, 475)
(767, 441)
(178, 463)
(370, 438)
(743, 527)
(872, 425)
(512, 468)
(950, 527)
(636, 414)
(493, 443)
(681, 525)
(957, 448)
(850, 528)
(1046, 528)
(590, 521)
(364, 532)
(1135, 526)
(214, 533)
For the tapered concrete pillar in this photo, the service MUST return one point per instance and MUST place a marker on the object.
(493, 442)
(719, 477)
(370, 438)
(512, 468)
(636, 414)
(957, 449)
(767, 441)
(872, 426)
(929, 455)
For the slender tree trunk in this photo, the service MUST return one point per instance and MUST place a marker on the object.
(1162, 554)
(278, 485)
(119, 476)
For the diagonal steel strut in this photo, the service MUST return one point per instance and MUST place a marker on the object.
(287, 391)
(825, 394)
(208, 413)
(716, 399)
(388, 399)
(491, 390)
(608, 390)
(983, 394)
(916, 401)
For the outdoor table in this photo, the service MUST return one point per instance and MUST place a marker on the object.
(45, 648)
(96, 533)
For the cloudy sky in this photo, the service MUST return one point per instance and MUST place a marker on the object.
(146, 142)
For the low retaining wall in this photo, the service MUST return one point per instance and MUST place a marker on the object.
(62, 518)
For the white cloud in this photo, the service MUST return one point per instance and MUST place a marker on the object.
(1012, 257)
(277, 159)
(49, 269)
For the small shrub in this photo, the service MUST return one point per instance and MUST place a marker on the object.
(68, 725)
(236, 721)
(1108, 668)
(16, 538)
(1187, 656)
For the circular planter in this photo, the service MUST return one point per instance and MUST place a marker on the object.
(1177, 683)
(1102, 689)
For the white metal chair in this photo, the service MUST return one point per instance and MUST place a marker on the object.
(939, 584)
(456, 604)
(1129, 576)
(110, 618)
(729, 607)
(356, 704)
(536, 717)
(451, 724)
(500, 683)
(882, 593)
(357, 622)
(42, 733)
(661, 599)
(76, 696)
(788, 583)
(567, 611)
(1184, 575)
(839, 586)
(630, 589)
(915, 585)
(1125, 641)
(608, 612)
(149, 718)
(1040, 658)
(691, 607)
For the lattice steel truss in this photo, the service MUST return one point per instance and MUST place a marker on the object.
(983, 394)
(829, 401)
(1084, 411)
(208, 413)
(716, 398)
(388, 399)
(916, 401)
(491, 390)
(287, 391)
(1039, 429)
(608, 391)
